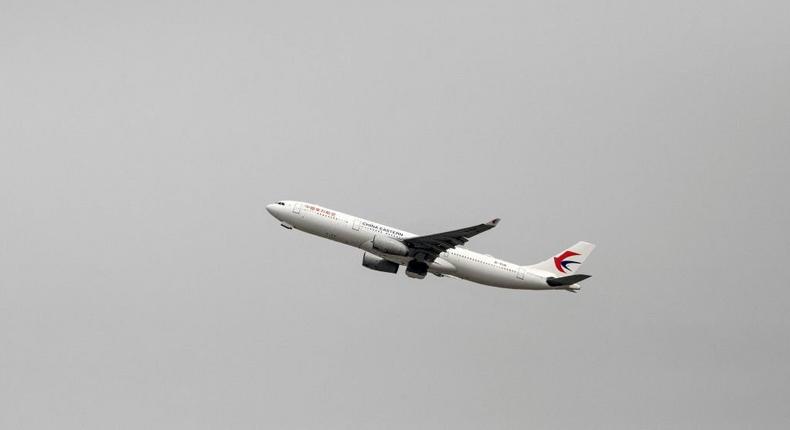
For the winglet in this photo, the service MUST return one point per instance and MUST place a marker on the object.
(494, 222)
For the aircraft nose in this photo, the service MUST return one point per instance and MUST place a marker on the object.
(271, 208)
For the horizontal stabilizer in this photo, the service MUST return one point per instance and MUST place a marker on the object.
(566, 280)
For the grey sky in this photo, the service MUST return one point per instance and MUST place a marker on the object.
(143, 285)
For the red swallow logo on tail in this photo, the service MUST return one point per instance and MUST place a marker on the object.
(562, 264)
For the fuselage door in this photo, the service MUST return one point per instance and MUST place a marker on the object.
(520, 274)
(297, 208)
(355, 225)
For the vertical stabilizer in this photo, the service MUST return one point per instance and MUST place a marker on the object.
(566, 262)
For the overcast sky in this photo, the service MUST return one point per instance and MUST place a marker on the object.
(143, 284)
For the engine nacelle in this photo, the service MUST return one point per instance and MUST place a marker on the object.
(389, 246)
(416, 269)
(377, 263)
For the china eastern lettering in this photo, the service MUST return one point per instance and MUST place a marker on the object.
(382, 229)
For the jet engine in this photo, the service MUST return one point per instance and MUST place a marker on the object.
(416, 269)
(377, 263)
(389, 246)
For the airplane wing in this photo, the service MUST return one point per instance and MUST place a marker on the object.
(427, 248)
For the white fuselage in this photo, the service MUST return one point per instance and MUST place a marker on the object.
(358, 232)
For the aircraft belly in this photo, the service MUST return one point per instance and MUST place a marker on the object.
(442, 266)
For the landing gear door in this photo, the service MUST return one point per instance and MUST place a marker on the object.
(520, 274)
(297, 208)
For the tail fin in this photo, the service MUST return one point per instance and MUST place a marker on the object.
(567, 262)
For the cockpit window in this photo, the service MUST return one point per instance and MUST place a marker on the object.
(281, 203)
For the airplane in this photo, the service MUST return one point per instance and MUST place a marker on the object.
(387, 248)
